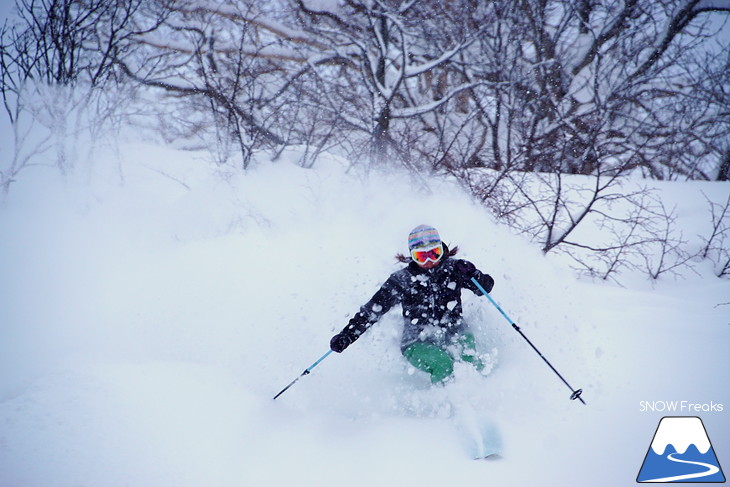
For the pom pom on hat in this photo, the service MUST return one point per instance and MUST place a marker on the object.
(423, 236)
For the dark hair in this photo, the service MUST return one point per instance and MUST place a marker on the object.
(447, 250)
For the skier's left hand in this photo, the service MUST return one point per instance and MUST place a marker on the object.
(469, 270)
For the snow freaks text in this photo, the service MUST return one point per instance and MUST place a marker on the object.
(680, 407)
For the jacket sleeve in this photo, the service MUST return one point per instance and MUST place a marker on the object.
(466, 271)
(382, 301)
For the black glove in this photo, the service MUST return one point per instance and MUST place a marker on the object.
(485, 280)
(468, 270)
(340, 342)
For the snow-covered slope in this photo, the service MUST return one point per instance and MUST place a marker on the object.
(145, 328)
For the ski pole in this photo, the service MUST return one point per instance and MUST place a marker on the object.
(306, 372)
(576, 393)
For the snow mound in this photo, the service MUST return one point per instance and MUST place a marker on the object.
(152, 307)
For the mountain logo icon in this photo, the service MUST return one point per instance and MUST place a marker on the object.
(681, 452)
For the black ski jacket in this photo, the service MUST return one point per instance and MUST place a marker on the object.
(430, 298)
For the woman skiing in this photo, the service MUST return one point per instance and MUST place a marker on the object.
(429, 291)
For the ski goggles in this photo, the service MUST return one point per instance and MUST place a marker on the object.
(434, 254)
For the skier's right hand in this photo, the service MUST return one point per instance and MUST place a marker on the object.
(340, 342)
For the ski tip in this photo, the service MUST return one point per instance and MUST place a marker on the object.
(490, 458)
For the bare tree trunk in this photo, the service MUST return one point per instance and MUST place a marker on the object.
(723, 174)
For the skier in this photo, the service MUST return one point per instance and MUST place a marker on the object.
(429, 291)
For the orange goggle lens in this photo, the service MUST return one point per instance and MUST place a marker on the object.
(422, 256)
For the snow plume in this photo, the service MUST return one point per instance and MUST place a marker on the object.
(146, 327)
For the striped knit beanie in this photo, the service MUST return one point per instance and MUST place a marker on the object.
(423, 236)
